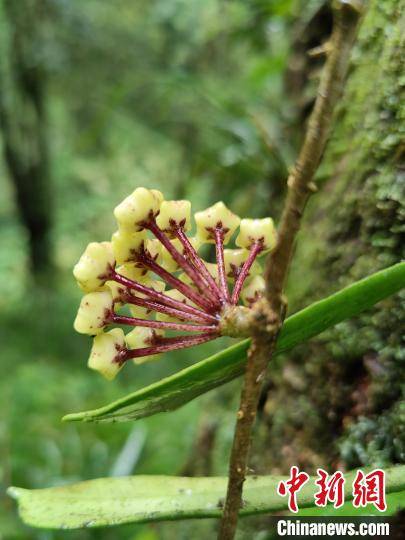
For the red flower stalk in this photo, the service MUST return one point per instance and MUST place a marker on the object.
(122, 273)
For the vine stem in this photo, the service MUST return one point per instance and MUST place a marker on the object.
(268, 313)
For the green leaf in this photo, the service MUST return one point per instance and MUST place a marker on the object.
(395, 501)
(174, 391)
(136, 499)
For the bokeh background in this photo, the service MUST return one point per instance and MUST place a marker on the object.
(204, 101)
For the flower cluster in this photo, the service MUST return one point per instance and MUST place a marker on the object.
(150, 277)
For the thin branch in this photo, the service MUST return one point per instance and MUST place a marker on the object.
(269, 312)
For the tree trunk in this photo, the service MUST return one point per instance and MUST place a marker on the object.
(337, 402)
(23, 123)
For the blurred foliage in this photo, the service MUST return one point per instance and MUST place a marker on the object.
(177, 95)
(184, 96)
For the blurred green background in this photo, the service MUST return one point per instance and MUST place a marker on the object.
(204, 100)
(98, 98)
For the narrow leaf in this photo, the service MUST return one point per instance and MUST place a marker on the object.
(137, 499)
(174, 391)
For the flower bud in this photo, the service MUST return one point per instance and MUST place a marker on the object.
(256, 230)
(173, 215)
(116, 290)
(127, 245)
(93, 312)
(253, 290)
(133, 271)
(158, 195)
(215, 216)
(234, 260)
(142, 312)
(154, 248)
(93, 266)
(141, 337)
(139, 207)
(104, 354)
(166, 260)
(130, 271)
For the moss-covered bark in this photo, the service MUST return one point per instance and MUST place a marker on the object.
(339, 401)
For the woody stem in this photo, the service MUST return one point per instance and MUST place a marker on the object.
(255, 249)
(219, 249)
